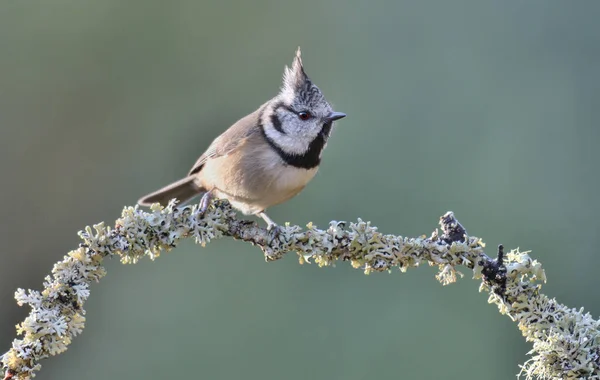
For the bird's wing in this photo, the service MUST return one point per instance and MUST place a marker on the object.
(229, 140)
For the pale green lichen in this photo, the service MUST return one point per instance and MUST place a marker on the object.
(565, 341)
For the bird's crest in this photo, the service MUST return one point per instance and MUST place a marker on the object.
(294, 77)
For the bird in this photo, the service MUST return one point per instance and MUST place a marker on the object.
(266, 157)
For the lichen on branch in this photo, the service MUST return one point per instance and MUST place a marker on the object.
(565, 341)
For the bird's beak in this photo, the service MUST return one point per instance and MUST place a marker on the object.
(335, 116)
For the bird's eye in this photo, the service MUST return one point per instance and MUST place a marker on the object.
(304, 115)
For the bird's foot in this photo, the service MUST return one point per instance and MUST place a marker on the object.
(274, 232)
(205, 202)
(272, 227)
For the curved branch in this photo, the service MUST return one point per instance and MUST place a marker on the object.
(566, 342)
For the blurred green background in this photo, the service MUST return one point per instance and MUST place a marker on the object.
(486, 108)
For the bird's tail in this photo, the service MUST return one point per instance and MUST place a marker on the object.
(183, 190)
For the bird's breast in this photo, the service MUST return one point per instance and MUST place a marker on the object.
(291, 178)
(255, 179)
(281, 178)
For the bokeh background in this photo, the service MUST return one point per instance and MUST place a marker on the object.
(486, 108)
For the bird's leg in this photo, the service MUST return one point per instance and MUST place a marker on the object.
(272, 227)
(205, 201)
(270, 223)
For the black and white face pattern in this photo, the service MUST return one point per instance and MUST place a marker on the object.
(296, 122)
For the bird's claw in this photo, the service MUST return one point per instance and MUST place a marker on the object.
(273, 232)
